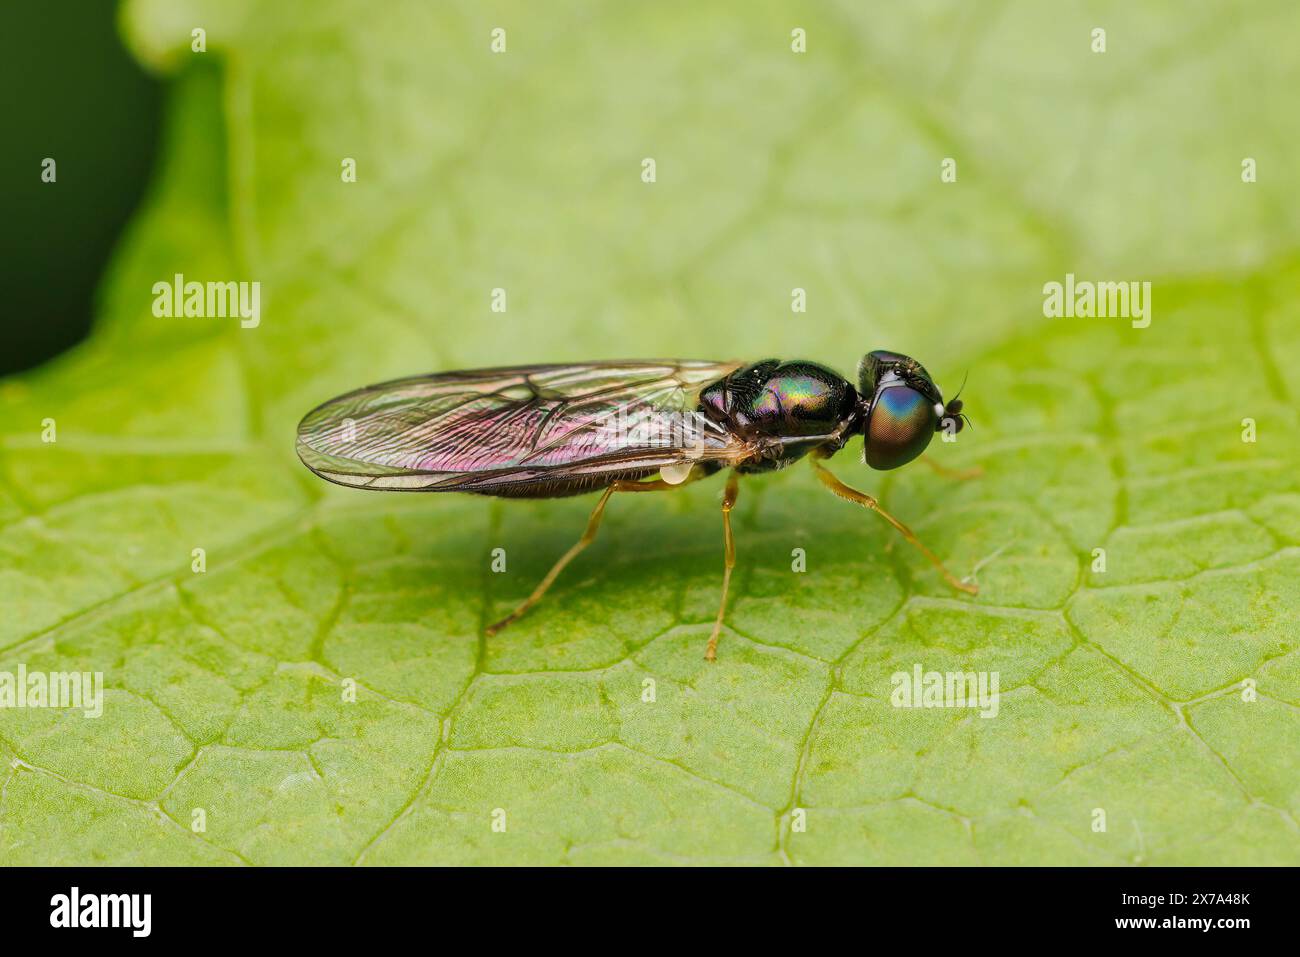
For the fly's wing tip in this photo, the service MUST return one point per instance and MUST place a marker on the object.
(313, 439)
(332, 468)
(318, 464)
(325, 445)
(342, 471)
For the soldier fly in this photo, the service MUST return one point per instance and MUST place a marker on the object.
(545, 431)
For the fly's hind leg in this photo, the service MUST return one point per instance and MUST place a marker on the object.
(593, 526)
(729, 561)
(865, 500)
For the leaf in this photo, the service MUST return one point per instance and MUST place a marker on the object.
(1123, 690)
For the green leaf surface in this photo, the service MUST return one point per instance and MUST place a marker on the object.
(1121, 690)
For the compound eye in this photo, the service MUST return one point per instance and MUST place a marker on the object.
(900, 426)
(875, 363)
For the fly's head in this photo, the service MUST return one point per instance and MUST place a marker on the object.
(902, 408)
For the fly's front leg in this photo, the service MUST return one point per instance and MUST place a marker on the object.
(945, 472)
(593, 526)
(729, 495)
(865, 500)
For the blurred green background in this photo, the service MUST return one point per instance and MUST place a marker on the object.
(73, 94)
(775, 170)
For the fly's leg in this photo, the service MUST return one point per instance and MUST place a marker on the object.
(948, 473)
(865, 500)
(729, 561)
(593, 526)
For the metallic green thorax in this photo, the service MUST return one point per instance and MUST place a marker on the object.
(792, 408)
(776, 401)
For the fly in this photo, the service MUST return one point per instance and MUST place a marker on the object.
(545, 431)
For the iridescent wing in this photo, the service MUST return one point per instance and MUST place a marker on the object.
(504, 430)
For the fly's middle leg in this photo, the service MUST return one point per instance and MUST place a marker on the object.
(588, 536)
(729, 561)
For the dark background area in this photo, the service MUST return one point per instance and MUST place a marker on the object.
(70, 91)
